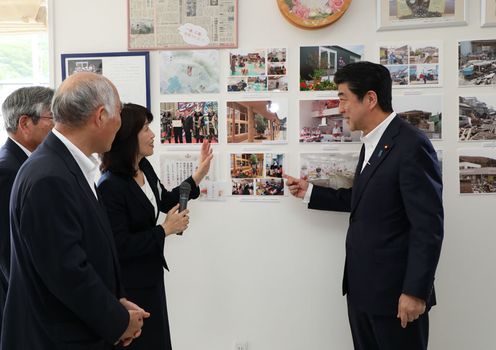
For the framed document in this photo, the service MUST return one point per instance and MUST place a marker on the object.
(129, 71)
(488, 13)
(408, 14)
(182, 24)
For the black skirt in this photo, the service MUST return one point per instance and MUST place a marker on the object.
(155, 333)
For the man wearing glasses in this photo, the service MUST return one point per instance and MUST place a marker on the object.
(28, 119)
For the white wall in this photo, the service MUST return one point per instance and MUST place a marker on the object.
(270, 273)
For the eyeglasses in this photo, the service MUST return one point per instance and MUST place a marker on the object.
(48, 117)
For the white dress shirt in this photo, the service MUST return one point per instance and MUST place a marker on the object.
(28, 152)
(372, 138)
(88, 165)
(147, 190)
(370, 141)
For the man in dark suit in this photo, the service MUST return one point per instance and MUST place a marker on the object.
(188, 127)
(396, 222)
(64, 288)
(28, 119)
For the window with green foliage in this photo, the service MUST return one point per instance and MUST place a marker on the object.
(24, 55)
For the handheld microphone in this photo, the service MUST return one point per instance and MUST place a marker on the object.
(184, 190)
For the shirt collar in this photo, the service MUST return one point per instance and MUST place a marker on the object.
(88, 165)
(375, 135)
(28, 152)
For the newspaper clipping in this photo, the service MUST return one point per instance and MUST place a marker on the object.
(178, 24)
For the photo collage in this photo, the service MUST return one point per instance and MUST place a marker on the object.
(260, 114)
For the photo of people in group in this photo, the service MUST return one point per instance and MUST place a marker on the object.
(269, 187)
(264, 171)
(257, 121)
(257, 70)
(320, 121)
(189, 122)
(85, 65)
(318, 64)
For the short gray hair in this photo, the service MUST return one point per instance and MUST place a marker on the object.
(80, 95)
(32, 101)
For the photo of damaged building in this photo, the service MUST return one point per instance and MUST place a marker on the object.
(477, 118)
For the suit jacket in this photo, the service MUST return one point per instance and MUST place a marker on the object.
(188, 123)
(11, 159)
(396, 222)
(64, 278)
(139, 240)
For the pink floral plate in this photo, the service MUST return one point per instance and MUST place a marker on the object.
(312, 14)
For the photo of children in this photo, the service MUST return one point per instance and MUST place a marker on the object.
(249, 70)
(257, 174)
(189, 122)
(269, 187)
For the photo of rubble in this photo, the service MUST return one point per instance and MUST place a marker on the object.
(422, 111)
(477, 118)
(477, 63)
(477, 167)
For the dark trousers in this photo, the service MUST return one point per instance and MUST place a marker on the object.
(178, 135)
(187, 134)
(377, 332)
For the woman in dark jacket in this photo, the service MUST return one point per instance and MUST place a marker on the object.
(133, 197)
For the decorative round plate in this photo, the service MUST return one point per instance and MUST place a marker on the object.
(312, 14)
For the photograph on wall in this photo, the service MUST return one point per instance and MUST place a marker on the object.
(128, 71)
(477, 63)
(257, 174)
(333, 169)
(189, 72)
(477, 170)
(321, 121)
(439, 154)
(84, 65)
(257, 121)
(412, 64)
(318, 64)
(175, 167)
(422, 111)
(488, 13)
(405, 14)
(477, 117)
(189, 122)
(258, 70)
(172, 24)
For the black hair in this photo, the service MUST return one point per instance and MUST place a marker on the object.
(121, 158)
(363, 77)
